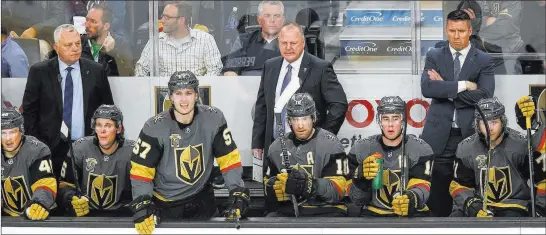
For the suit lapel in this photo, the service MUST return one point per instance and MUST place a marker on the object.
(87, 84)
(448, 60)
(304, 68)
(469, 60)
(56, 79)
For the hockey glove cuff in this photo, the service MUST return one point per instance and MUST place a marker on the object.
(473, 207)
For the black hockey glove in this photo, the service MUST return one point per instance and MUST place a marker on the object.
(74, 201)
(473, 207)
(300, 182)
(144, 215)
(239, 199)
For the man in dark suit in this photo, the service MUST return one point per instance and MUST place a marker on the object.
(456, 77)
(64, 90)
(296, 68)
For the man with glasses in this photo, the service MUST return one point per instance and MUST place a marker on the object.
(180, 47)
(387, 197)
(251, 50)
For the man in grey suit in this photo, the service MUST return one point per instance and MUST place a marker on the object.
(456, 77)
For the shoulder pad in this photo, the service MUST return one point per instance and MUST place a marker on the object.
(80, 140)
(469, 139)
(515, 134)
(130, 143)
(158, 118)
(328, 135)
(362, 143)
(210, 109)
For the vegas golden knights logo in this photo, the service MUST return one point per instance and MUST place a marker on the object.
(190, 164)
(389, 188)
(102, 190)
(500, 184)
(15, 195)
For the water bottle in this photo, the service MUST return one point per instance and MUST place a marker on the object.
(378, 179)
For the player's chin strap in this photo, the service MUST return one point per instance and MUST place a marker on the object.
(483, 185)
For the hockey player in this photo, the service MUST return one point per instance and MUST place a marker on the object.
(28, 184)
(173, 159)
(386, 199)
(103, 162)
(506, 189)
(319, 166)
(525, 107)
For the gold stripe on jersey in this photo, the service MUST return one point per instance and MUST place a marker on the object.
(141, 172)
(48, 183)
(158, 196)
(455, 188)
(348, 185)
(506, 205)
(419, 183)
(541, 187)
(379, 211)
(229, 161)
(63, 184)
(542, 144)
(339, 183)
(11, 213)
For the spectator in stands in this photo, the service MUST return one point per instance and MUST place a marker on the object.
(108, 49)
(180, 47)
(498, 23)
(34, 19)
(533, 35)
(454, 89)
(117, 22)
(14, 60)
(251, 50)
(64, 90)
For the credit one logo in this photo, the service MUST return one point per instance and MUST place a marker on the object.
(403, 48)
(361, 48)
(370, 16)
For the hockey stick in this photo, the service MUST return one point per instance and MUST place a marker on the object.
(404, 167)
(488, 141)
(279, 106)
(72, 164)
(531, 170)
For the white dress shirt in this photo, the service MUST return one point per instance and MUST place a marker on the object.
(461, 86)
(294, 80)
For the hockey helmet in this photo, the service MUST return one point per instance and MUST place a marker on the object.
(182, 80)
(492, 109)
(301, 104)
(390, 105)
(11, 118)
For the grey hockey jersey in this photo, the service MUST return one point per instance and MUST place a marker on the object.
(379, 201)
(508, 172)
(28, 176)
(174, 161)
(324, 157)
(103, 178)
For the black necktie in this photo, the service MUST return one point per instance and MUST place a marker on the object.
(456, 66)
(68, 93)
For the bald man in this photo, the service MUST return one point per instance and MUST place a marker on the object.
(310, 74)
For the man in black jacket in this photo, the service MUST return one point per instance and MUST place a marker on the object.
(310, 74)
(110, 50)
(251, 50)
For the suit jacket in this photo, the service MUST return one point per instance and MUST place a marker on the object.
(477, 68)
(317, 77)
(43, 98)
